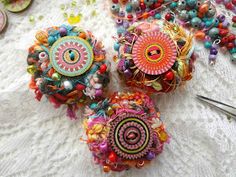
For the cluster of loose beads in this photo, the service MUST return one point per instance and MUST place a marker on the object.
(201, 16)
(229, 4)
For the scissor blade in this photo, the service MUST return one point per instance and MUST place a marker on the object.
(227, 109)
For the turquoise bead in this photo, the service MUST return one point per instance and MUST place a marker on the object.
(93, 106)
(120, 30)
(117, 46)
(72, 56)
(208, 44)
(216, 22)
(115, 8)
(51, 40)
(192, 13)
(157, 16)
(191, 3)
(208, 23)
(129, 8)
(173, 5)
(233, 50)
(213, 32)
(196, 22)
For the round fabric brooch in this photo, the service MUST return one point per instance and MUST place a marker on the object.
(124, 131)
(157, 60)
(16, 5)
(3, 20)
(67, 65)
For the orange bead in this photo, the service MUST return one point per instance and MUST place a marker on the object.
(145, 15)
(204, 8)
(200, 15)
(106, 169)
(200, 35)
(220, 25)
(82, 35)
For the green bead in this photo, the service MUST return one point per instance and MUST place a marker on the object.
(208, 44)
(157, 16)
(129, 8)
(183, 15)
(196, 22)
(148, 2)
(233, 57)
(213, 32)
(234, 25)
(192, 13)
(191, 3)
(56, 76)
(115, 8)
(182, 4)
(173, 5)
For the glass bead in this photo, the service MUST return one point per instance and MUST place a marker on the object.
(213, 32)
(207, 44)
(192, 13)
(196, 22)
(191, 3)
(128, 8)
(157, 16)
(115, 8)
(173, 5)
(182, 4)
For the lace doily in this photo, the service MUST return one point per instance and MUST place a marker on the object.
(36, 140)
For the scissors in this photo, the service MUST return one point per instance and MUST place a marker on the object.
(225, 108)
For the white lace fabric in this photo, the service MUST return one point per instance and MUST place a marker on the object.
(37, 140)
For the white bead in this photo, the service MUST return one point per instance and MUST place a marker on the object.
(68, 85)
(43, 56)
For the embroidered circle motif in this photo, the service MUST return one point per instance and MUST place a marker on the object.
(71, 56)
(154, 53)
(130, 136)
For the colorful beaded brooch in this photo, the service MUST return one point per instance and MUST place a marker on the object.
(67, 65)
(124, 131)
(157, 60)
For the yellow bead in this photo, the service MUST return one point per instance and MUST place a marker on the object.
(98, 128)
(31, 69)
(74, 19)
(110, 111)
(42, 37)
(163, 136)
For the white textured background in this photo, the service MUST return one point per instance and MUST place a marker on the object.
(38, 141)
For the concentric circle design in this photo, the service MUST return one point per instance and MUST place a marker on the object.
(154, 53)
(18, 5)
(130, 136)
(71, 56)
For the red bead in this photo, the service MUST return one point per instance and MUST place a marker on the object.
(112, 157)
(160, 1)
(80, 87)
(169, 76)
(168, 16)
(231, 37)
(103, 68)
(223, 32)
(234, 19)
(157, 4)
(115, 1)
(130, 17)
(230, 45)
(229, 6)
(234, 2)
(224, 40)
(142, 6)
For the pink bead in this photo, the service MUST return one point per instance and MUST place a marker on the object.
(218, 1)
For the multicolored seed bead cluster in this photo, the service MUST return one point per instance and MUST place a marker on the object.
(124, 131)
(199, 15)
(67, 65)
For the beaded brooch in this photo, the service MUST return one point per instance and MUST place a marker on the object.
(124, 131)
(157, 60)
(67, 65)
